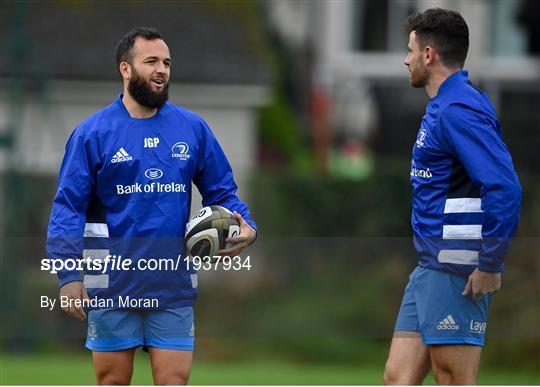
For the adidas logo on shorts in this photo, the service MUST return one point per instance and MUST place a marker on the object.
(120, 156)
(448, 323)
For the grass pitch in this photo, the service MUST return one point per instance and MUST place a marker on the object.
(77, 369)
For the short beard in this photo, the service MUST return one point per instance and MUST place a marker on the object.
(420, 79)
(140, 91)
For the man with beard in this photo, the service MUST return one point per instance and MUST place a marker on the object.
(466, 201)
(125, 191)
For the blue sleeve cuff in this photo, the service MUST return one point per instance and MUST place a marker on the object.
(491, 267)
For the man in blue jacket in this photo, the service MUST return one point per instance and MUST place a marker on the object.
(466, 201)
(124, 192)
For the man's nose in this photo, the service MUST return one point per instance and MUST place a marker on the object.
(162, 68)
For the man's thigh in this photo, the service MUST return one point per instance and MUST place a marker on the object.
(113, 336)
(169, 336)
(170, 366)
(113, 368)
(455, 364)
(408, 360)
(452, 325)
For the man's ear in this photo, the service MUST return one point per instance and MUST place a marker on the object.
(429, 55)
(125, 70)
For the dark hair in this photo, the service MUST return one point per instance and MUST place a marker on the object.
(125, 45)
(444, 30)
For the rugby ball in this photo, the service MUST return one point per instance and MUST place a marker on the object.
(208, 229)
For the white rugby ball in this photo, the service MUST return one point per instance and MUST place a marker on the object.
(208, 229)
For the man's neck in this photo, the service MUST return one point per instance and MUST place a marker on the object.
(135, 109)
(437, 78)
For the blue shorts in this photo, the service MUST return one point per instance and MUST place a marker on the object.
(120, 329)
(434, 306)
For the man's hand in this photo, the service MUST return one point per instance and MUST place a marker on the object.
(482, 283)
(74, 291)
(238, 243)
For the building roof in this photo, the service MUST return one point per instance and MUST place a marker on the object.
(210, 41)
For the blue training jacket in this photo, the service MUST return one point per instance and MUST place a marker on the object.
(125, 190)
(466, 194)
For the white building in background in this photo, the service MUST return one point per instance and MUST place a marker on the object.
(365, 37)
(356, 42)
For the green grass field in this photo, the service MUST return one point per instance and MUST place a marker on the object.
(77, 369)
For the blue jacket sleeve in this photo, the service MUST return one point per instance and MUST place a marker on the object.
(474, 139)
(68, 216)
(214, 177)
